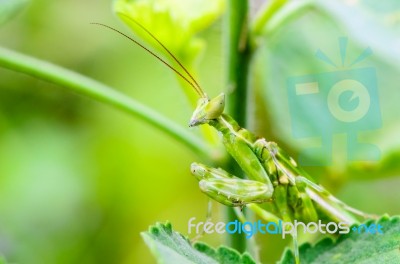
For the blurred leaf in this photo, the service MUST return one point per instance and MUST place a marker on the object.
(388, 167)
(277, 14)
(355, 247)
(175, 24)
(265, 14)
(10, 8)
(287, 61)
(172, 247)
(382, 34)
(356, 19)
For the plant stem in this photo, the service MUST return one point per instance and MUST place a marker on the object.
(83, 85)
(237, 66)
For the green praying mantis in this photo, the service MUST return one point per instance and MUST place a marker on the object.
(276, 188)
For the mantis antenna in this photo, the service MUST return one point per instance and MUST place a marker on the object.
(167, 50)
(192, 82)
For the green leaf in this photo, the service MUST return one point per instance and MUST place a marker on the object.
(174, 23)
(276, 14)
(10, 8)
(381, 34)
(264, 15)
(172, 247)
(355, 247)
(321, 29)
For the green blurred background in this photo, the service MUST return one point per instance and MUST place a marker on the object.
(79, 180)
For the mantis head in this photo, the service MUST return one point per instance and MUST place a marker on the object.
(207, 110)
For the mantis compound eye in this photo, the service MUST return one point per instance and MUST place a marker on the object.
(215, 107)
(198, 170)
(208, 110)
